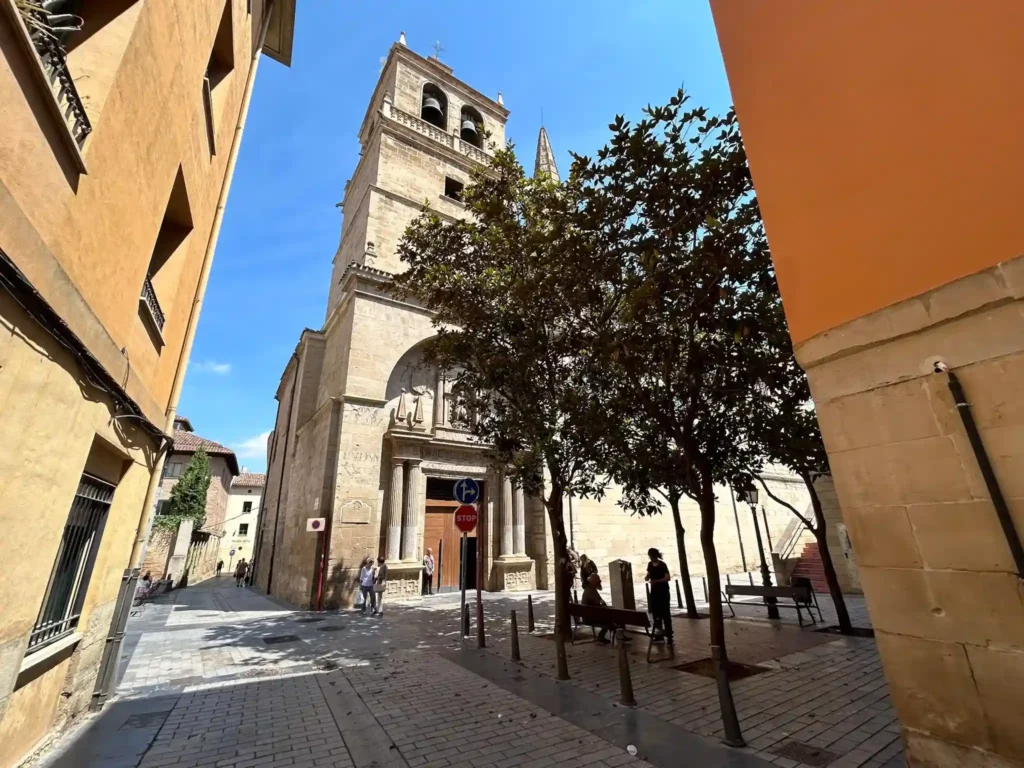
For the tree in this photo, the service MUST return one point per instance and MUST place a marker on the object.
(701, 338)
(789, 436)
(645, 463)
(188, 497)
(519, 304)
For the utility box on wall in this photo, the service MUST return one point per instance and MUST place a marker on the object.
(620, 582)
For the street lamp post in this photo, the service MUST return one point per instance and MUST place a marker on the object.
(750, 496)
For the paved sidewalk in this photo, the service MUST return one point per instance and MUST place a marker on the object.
(224, 677)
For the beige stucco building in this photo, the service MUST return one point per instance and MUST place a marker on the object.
(192, 549)
(116, 151)
(365, 435)
(242, 520)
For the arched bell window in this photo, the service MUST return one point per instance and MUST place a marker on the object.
(471, 127)
(434, 106)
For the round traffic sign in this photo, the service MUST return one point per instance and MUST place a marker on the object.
(465, 518)
(232, 553)
(467, 491)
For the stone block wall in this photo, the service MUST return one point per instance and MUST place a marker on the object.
(941, 587)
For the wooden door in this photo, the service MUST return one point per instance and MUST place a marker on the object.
(441, 535)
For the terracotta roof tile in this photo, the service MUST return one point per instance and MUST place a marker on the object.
(190, 442)
(250, 480)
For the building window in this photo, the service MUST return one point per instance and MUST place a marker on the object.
(453, 189)
(69, 581)
(243, 529)
(164, 274)
(173, 469)
(434, 107)
(246, 507)
(163, 507)
(218, 70)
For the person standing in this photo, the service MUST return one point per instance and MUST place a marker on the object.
(661, 595)
(220, 567)
(428, 573)
(380, 585)
(366, 584)
(240, 570)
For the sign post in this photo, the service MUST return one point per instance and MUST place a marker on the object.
(465, 521)
(467, 492)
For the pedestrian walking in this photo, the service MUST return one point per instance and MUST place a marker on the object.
(220, 567)
(248, 574)
(240, 571)
(428, 573)
(661, 596)
(380, 585)
(366, 575)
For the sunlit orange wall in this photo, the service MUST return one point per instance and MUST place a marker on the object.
(886, 141)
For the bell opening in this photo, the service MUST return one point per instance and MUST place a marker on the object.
(434, 106)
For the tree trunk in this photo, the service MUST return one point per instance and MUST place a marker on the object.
(730, 721)
(820, 534)
(562, 585)
(684, 566)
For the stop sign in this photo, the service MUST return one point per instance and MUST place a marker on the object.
(465, 518)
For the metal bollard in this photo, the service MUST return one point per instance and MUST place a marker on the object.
(704, 581)
(529, 613)
(515, 638)
(679, 595)
(625, 680)
(730, 722)
(465, 621)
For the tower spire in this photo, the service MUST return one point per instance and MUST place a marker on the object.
(545, 163)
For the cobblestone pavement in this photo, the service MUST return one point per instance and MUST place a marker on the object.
(219, 676)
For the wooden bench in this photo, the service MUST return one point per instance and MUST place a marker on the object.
(615, 619)
(802, 595)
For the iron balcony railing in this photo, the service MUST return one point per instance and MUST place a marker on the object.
(149, 299)
(44, 29)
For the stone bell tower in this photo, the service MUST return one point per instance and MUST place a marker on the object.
(365, 436)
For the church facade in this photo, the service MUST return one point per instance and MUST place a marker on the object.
(366, 438)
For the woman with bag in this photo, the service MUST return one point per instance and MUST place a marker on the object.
(380, 586)
(366, 576)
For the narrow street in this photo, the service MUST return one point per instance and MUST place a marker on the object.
(214, 675)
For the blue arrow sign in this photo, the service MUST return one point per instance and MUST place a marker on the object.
(467, 491)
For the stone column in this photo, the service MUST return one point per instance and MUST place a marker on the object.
(393, 538)
(505, 543)
(518, 522)
(410, 515)
(439, 400)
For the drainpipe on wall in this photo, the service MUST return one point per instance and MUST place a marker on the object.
(981, 455)
(106, 680)
(146, 519)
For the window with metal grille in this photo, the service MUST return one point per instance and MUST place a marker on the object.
(243, 529)
(69, 581)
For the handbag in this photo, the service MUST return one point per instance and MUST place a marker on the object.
(379, 587)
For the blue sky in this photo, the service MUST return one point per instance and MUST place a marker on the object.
(581, 62)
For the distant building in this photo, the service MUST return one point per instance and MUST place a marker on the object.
(242, 519)
(116, 145)
(171, 553)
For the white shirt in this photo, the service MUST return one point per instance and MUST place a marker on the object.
(366, 576)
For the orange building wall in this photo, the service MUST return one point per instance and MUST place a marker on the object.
(829, 95)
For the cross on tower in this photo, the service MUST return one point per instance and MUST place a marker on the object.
(437, 49)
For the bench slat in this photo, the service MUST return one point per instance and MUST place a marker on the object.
(794, 593)
(619, 616)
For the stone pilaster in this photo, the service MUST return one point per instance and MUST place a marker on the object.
(411, 514)
(393, 539)
(439, 400)
(518, 522)
(505, 512)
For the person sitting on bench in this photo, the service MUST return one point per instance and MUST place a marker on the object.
(592, 596)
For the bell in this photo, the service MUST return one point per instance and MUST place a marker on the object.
(469, 131)
(431, 111)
